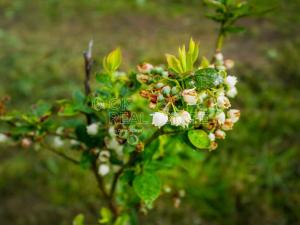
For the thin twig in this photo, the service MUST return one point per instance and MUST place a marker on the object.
(88, 63)
(109, 199)
(70, 159)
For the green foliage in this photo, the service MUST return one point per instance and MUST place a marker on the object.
(199, 139)
(147, 186)
(78, 220)
(222, 187)
(105, 216)
(205, 78)
(186, 60)
(112, 61)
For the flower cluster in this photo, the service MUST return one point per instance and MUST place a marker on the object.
(191, 99)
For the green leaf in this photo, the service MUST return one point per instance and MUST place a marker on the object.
(78, 220)
(122, 220)
(199, 139)
(86, 160)
(112, 61)
(204, 62)
(174, 63)
(205, 78)
(106, 216)
(147, 186)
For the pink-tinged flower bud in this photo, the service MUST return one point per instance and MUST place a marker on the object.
(190, 96)
(103, 169)
(220, 134)
(228, 125)
(159, 119)
(212, 137)
(234, 115)
(144, 67)
(223, 102)
(26, 143)
(229, 64)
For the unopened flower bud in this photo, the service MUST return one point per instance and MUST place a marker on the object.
(212, 137)
(159, 85)
(166, 90)
(3, 138)
(229, 64)
(92, 129)
(74, 142)
(219, 56)
(144, 67)
(104, 156)
(103, 169)
(26, 143)
(174, 90)
(190, 96)
(165, 74)
(58, 142)
(213, 146)
(160, 97)
(220, 134)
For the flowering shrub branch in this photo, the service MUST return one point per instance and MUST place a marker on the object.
(115, 134)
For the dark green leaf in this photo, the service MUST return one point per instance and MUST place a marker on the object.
(205, 78)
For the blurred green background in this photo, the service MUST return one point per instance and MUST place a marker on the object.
(253, 177)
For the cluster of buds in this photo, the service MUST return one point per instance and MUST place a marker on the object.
(179, 101)
(103, 158)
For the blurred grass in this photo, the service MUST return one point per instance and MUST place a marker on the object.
(253, 178)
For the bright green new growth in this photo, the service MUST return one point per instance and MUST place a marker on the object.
(186, 60)
(112, 61)
(199, 139)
